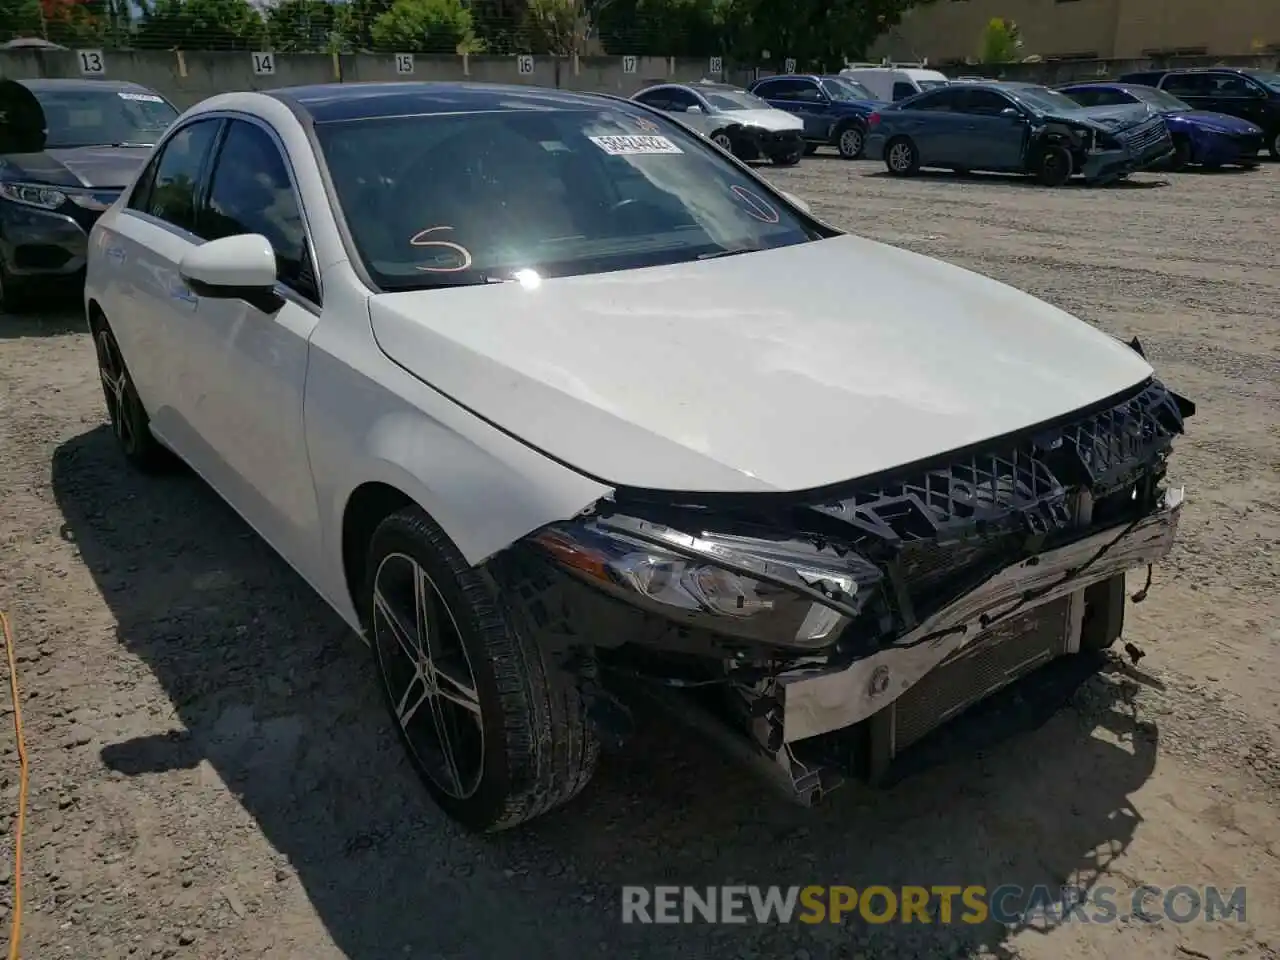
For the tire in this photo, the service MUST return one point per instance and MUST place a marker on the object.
(1273, 144)
(901, 157)
(851, 141)
(1181, 154)
(129, 421)
(1053, 165)
(535, 747)
(723, 141)
(1103, 614)
(786, 160)
(15, 294)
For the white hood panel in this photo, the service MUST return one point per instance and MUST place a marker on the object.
(782, 370)
(776, 121)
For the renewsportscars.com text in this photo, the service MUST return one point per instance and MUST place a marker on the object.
(1009, 904)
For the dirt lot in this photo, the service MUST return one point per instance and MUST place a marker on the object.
(213, 775)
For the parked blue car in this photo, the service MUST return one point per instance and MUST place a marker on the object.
(1016, 128)
(834, 109)
(1199, 136)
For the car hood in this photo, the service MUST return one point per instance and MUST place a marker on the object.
(1108, 119)
(1209, 120)
(858, 106)
(782, 370)
(76, 166)
(775, 120)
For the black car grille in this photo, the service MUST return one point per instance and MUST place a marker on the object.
(1148, 136)
(1020, 486)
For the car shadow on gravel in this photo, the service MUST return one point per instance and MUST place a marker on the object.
(50, 320)
(277, 697)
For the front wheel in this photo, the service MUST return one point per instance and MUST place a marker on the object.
(723, 141)
(901, 157)
(1181, 154)
(850, 142)
(1273, 145)
(497, 735)
(1054, 165)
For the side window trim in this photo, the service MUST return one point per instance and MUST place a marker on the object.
(308, 266)
(202, 176)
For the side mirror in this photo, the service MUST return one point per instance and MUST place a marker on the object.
(795, 201)
(242, 267)
(1011, 112)
(694, 109)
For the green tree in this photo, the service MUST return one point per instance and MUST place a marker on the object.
(1001, 41)
(299, 26)
(200, 25)
(424, 26)
(20, 18)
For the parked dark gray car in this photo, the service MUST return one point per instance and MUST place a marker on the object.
(1016, 128)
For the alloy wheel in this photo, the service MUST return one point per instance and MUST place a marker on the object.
(851, 142)
(722, 141)
(900, 157)
(115, 388)
(428, 676)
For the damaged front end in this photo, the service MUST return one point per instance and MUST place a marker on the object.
(821, 635)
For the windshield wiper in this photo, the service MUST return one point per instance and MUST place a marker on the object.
(732, 251)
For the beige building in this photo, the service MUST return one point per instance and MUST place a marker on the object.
(951, 30)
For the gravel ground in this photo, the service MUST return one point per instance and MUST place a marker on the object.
(212, 774)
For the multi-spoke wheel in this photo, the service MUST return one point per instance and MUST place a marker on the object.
(129, 421)
(498, 734)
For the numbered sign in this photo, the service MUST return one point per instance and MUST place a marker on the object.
(717, 65)
(404, 63)
(629, 64)
(92, 63)
(789, 65)
(264, 64)
(524, 64)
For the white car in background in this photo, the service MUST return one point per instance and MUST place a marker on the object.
(734, 119)
(554, 402)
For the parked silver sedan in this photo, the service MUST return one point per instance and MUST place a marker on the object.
(737, 121)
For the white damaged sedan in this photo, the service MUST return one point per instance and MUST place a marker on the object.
(556, 404)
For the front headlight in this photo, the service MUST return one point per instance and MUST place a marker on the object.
(786, 593)
(33, 195)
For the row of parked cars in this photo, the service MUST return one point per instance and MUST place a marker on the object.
(1099, 130)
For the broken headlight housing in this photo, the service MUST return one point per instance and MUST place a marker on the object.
(786, 593)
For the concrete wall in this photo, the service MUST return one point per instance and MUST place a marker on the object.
(948, 30)
(186, 77)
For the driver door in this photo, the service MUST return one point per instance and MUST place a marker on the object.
(993, 137)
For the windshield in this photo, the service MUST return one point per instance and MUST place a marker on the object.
(734, 100)
(931, 84)
(446, 200)
(1042, 98)
(841, 89)
(1269, 80)
(1158, 98)
(90, 118)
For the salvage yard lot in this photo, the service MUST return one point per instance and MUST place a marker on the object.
(213, 775)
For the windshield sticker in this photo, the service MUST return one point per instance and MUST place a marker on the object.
(144, 97)
(621, 146)
(454, 251)
(756, 205)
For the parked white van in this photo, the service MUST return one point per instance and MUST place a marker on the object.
(895, 83)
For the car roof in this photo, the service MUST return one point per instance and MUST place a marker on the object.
(328, 102)
(41, 84)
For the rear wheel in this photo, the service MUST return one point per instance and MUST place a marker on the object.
(850, 142)
(497, 735)
(901, 157)
(129, 420)
(1273, 144)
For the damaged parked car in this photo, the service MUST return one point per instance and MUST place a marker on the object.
(999, 127)
(553, 402)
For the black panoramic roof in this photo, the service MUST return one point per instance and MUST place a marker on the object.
(333, 102)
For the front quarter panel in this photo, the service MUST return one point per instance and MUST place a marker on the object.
(369, 420)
